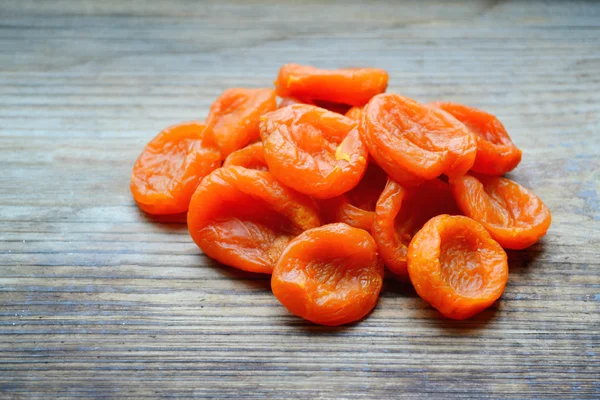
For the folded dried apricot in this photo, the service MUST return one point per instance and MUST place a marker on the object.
(251, 156)
(315, 151)
(353, 86)
(456, 266)
(234, 117)
(244, 218)
(329, 275)
(513, 215)
(167, 172)
(413, 142)
(401, 212)
(496, 153)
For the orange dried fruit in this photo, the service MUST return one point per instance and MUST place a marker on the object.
(234, 117)
(413, 142)
(456, 266)
(329, 275)
(244, 218)
(171, 166)
(514, 215)
(312, 150)
(496, 152)
(353, 86)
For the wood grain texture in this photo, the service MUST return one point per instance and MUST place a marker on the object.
(98, 301)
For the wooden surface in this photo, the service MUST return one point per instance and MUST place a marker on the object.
(98, 301)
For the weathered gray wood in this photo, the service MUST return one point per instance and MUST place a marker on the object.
(98, 301)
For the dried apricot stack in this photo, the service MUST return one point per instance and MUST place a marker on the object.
(342, 181)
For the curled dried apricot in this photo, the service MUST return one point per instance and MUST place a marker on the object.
(171, 166)
(251, 156)
(244, 218)
(496, 153)
(353, 86)
(234, 117)
(413, 142)
(456, 266)
(513, 215)
(329, 275)
(315, 151)
(401, 212)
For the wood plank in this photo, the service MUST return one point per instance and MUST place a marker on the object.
(99, 301)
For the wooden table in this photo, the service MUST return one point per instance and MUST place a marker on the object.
(99, 301)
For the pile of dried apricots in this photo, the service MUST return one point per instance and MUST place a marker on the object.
(340, 180)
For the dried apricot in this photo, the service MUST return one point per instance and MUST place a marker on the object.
(456, 266)
(413, 142)
(513, 215)
(496, 153)
(315, 151)
(244, 218)
(167, 172)
(234, 117)
(251, 156)
(329, 275)
(353, 86)
(401, 212)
